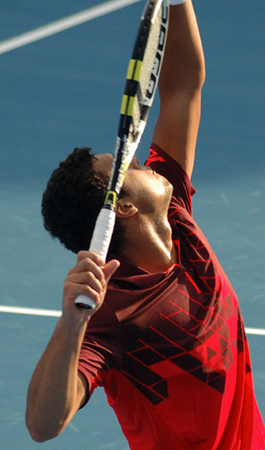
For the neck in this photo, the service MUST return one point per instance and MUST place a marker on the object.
(151, 248)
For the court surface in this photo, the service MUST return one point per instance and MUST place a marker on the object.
(64, 91)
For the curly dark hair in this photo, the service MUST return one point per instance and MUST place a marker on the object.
(72, 200)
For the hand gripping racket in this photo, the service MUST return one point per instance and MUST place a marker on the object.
(141, 82)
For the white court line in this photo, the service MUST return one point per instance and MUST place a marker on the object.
(258, 331)
(63, 24)
(30, 311)
(53, 313)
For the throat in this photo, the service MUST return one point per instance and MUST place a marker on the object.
(149, 244)
(154, 258)
(162, 260)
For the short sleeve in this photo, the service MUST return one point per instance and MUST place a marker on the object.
(163, 164)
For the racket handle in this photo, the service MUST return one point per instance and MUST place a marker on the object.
(100, 245)
(103, 232)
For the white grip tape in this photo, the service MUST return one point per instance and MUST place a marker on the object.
(103, 232)
(100, 245)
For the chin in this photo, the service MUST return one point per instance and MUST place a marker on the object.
(169, 186)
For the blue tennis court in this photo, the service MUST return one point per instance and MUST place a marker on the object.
(63, 90)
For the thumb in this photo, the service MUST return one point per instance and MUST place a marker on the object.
(110, 268)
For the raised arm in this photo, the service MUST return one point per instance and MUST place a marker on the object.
(181, 81)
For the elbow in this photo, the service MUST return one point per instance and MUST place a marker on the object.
(201, 75)
(196, 78)
(191, 79)
(195, 72)
(195, 82)
(35, 436)
(40, 433)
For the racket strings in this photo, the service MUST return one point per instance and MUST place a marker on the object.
(146, 69)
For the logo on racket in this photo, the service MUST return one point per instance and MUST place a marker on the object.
(158, 59)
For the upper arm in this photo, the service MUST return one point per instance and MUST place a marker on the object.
(181, 80)
(177, 127)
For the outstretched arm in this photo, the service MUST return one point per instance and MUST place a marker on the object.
(181, 81)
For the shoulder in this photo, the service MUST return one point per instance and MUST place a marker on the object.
(163, 164)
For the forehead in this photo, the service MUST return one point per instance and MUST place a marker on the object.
(103, 162)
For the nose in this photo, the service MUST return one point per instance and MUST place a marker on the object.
(134, 163)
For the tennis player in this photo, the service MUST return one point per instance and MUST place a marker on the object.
(166, 340)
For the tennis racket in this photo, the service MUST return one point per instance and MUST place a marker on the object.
(141, 82)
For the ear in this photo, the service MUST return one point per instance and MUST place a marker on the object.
(125, 209)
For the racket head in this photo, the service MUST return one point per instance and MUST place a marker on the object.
(141, 83)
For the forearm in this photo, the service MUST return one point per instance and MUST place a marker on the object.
(53, 395)
(183, 66)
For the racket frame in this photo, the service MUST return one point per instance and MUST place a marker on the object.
(129, 133)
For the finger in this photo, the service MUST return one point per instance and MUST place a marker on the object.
(93, 256)
(87, 265)
(87, 278)
(73, 289)
(110, 268)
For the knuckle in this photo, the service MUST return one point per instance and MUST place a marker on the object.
(93, 295)
(81, 254)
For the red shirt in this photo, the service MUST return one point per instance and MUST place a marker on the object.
(170, 348)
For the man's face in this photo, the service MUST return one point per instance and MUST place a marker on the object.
(147, 189)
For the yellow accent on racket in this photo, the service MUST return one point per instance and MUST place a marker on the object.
(127, 105)
(112, 200)
(130, 69)
(137, 72)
